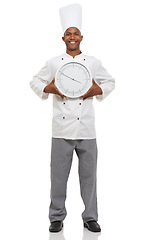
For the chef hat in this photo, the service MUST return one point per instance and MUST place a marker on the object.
(71, 16)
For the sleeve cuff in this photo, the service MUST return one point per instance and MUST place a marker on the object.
(44, 95)
(100, 97)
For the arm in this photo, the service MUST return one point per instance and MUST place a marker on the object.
(93, 91)
(51, 88)
(41, 80)
(102, 85)
(105, 81)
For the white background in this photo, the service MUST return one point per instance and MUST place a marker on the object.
(31, 35)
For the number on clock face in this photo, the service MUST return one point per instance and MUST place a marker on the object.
(73, 79)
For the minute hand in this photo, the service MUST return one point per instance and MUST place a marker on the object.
(70, 77)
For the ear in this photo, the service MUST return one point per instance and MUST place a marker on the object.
(81, 38)
(63, 38)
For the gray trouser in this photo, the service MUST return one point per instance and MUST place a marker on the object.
(61, 160)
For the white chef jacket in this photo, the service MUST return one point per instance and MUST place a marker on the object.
(73, 118)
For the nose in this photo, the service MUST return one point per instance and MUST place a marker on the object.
(72, 36)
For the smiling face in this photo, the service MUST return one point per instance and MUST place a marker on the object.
(72, 38)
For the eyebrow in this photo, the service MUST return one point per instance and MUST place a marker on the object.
(73, 32)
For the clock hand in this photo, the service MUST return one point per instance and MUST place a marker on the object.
(70, 77)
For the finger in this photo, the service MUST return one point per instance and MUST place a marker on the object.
(93, 81)
(84, 98)
(84, 95)
(62, 95)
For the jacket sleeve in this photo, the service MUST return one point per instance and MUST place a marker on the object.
(105, 82)
(41, 80)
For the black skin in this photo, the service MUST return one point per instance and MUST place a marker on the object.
(73, 34)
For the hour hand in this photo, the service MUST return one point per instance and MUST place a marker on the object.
(70, 77)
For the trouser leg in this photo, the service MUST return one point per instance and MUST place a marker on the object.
(87, 154)
(61, 160)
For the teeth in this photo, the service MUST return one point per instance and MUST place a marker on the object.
(72, 42)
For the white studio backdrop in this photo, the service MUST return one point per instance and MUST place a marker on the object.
(30, 35)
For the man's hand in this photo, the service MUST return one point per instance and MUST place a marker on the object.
(93, 91)
(51, 88)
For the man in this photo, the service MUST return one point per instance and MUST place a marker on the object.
(73, 124)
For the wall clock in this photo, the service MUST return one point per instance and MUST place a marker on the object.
(73, 79)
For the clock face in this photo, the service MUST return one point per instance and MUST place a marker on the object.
(73, 79)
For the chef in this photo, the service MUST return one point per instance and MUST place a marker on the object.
(73, 123)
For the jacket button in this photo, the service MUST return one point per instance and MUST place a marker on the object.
(63, 117)
(62, 59)
(79, 103)
(64, 103)
(77, 118)
(84, 59)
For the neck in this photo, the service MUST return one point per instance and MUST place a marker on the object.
(73, 53)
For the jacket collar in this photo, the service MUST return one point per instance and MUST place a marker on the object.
(77, 56)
